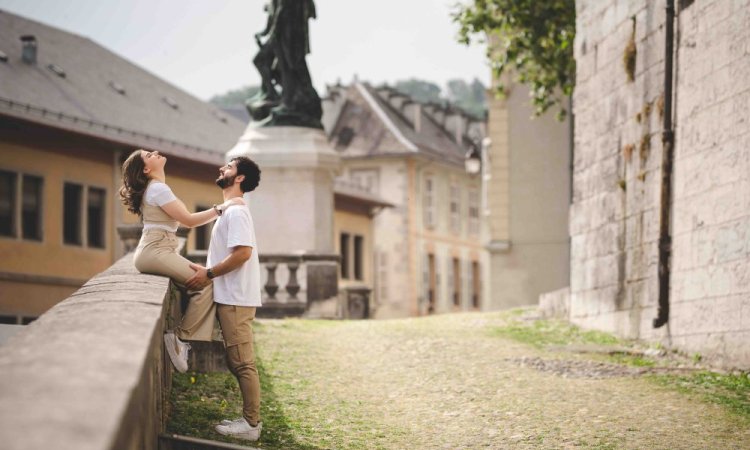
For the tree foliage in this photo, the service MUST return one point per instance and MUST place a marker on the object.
(468, 96)
(531, 39)
(471, 97)
(420, 90)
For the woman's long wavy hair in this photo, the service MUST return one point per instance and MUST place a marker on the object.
(134, 182)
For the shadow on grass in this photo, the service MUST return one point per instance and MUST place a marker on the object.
(201, 400)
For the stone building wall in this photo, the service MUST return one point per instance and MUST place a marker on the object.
(614, 219)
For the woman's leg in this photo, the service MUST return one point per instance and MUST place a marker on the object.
(157, 255)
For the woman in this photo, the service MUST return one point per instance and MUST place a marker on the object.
(145, 193)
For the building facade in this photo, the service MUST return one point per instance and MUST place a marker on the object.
(428, 256)
(614, 223)
(528, 180)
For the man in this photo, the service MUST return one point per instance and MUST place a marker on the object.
(234, 268)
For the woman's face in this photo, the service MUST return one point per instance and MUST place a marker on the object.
(152, 161)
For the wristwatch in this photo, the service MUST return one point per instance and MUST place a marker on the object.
(210, 273)
(219, 210)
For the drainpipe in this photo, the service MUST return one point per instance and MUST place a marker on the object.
(665, 239)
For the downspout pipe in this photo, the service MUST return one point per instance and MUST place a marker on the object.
(665, 237)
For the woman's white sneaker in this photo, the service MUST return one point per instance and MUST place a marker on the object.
(177, 350)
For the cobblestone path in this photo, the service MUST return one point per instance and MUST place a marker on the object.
(449, 382)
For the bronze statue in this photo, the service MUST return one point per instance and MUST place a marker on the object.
(283, 46)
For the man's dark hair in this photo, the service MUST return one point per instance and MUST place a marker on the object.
(251, 171)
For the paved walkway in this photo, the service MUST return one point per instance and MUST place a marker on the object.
(449, 382)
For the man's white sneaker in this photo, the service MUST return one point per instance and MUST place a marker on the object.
(177, 350)
(231, 421)
(241, 429)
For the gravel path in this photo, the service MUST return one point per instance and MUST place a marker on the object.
(446, 382)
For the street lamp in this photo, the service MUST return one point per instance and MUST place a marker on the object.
(473, 161)
(475, 156)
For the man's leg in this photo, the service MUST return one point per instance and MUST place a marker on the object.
(236, 326)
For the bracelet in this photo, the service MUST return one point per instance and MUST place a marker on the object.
(217, 209)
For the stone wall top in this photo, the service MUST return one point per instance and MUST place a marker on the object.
(67, 379)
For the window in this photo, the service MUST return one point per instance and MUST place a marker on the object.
(367, 179)
(203, 232)
(456, 282)
(21, 198)
(84, 215)
(382, 276)
(96, 217)
(7, 203)
(344, 251)
(475, 285)
(473, 212)
(358, 257)
(31, 208)
(352, 256)
(455, 219)
(72, 204)
(429, 203)
(432, 284)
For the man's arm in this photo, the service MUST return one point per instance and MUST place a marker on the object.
(200, 279)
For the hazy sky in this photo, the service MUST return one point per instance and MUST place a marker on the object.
(206, 46)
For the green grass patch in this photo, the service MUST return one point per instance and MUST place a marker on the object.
(731, 391)
(200, 401)
(540, 333)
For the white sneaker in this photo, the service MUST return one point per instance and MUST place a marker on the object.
(231, 421)
(177, 350)
(241, 429)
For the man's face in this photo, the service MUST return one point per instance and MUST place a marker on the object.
(227, 175)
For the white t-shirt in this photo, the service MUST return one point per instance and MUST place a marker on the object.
(158, 194)
(240, 287)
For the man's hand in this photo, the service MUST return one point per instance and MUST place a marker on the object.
(199, 280)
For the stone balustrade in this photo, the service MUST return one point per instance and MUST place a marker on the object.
(299, 284)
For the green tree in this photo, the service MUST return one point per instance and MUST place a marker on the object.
(532, 39)
(468, 96)
(420, 90)
(235, 97)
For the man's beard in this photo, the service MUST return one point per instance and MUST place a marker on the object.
(226, 181)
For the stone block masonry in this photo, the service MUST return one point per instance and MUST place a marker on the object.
(617, 181)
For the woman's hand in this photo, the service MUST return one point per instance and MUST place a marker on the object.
(232, 202)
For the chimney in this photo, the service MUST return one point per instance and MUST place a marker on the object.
(413, 112)
(456, 125)
(29, 49)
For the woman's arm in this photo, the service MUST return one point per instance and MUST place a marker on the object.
(177, 210)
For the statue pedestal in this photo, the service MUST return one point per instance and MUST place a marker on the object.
(293, 206)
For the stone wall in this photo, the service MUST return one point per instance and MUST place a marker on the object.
(614, 220)
(90, 373)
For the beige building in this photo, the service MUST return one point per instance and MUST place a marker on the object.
(70, 111)
(427, 256)
(527, 170)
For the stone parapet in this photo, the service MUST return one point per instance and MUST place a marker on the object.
(90, 373)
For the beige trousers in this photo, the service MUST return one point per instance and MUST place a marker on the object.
(237, 329)
(157, 254)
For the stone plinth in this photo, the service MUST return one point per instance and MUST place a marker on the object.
(292, 207)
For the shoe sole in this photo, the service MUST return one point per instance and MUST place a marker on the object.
(237, 435)
(169, 343)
